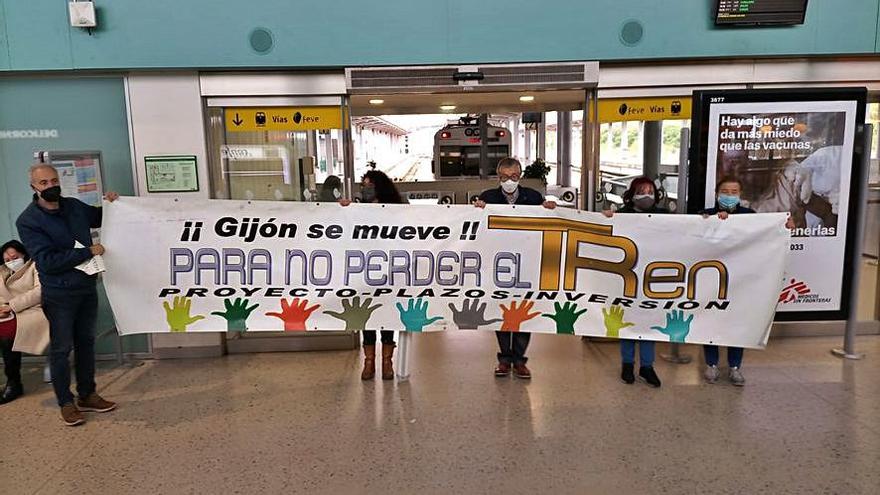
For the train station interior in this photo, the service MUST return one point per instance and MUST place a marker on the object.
(285, 110)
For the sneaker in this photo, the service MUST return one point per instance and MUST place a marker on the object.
(520, 371)
(95, 403)
(47, 374)
(71, 415)
(736, 377)
(650, 377)
(626, 374)
(503, 369)
(711, 374)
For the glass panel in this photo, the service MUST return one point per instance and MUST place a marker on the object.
(273, 165)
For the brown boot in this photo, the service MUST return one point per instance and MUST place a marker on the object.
(387, 362)
(369, 362)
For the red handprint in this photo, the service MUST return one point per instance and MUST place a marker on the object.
(294, 314)
(514, 317)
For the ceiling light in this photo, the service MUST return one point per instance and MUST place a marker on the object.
(377, 102)
(526, 98)
(447, 108)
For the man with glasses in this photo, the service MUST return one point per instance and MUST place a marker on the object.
(512, 344)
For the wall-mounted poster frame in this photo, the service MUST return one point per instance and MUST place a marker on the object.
(794, 150)
(80, 174)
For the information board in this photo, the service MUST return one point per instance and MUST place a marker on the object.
(171, 173)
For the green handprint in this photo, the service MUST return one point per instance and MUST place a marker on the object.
(677, 327)
(236, 314)
(614, 321)
(354, 314)
(415, 316)
(565, 317)
(178, 317)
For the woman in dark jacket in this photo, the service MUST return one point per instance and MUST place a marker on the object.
(641, 197)
(376, 187)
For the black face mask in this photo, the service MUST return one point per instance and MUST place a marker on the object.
(51, 194)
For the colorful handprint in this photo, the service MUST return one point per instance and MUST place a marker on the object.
(294, 314)
(178, 316)
(677, 327)
(614, 321)
(415, 316)
(471, 316)
(236, 314)
(354, 314)
(565, 317)
(515, 316)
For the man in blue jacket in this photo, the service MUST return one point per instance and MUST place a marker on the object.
(52, 228)
(512, 345)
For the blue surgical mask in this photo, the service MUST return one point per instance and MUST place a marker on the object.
(728, 202)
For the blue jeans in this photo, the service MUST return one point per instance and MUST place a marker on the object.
(72, 319)
(734, 356)
(646, 351)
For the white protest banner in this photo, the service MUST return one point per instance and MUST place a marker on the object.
(217, 265)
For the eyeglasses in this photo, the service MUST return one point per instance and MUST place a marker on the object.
(509, 177)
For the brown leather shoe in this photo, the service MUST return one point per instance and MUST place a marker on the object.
(71, 415)
(95, 403)
(520, 371)
(369, 363)
(387, 361)
(503, 369)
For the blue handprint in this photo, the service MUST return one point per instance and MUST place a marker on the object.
(677, 327)
(415, 316)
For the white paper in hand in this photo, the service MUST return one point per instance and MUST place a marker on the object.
(93, 266)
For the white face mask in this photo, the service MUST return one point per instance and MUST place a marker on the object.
(509, 186)
(15, 265)
(336, 193)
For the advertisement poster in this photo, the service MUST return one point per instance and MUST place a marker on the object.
(792, 155)
(220, 265)
(79, 177)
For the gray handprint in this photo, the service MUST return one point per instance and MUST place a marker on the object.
(471, 315)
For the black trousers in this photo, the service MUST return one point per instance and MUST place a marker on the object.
(71, 328)
(11, 362)
(513, 347)
(370, 337)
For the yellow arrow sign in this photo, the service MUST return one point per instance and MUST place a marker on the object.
(620, 109)
(251, 119)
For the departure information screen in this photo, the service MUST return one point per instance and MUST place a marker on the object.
(731, 12)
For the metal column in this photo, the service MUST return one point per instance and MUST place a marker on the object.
(675, 355)
(484, 146)
(652, 141)
(527, 140)
(563, 148)
(590, 152)
(852, 321)
(312, 144)
(541, 138)
(347, 149)
(403, 355)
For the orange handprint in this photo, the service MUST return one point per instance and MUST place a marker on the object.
(515, 316)
(294, 314)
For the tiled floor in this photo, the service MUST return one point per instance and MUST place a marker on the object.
(806, 422)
